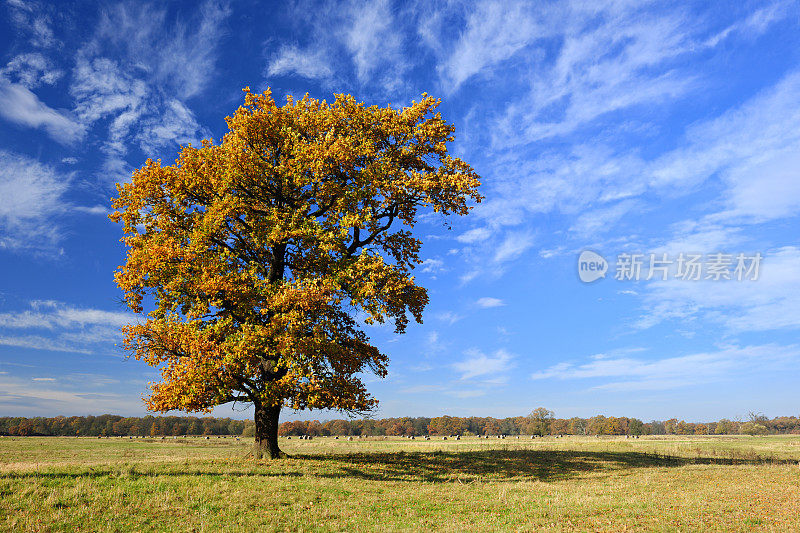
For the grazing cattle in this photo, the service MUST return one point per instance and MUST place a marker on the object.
(349, 438)
(444, 438)
(458, 437)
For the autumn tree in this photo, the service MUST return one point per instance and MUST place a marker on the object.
(259, 258)
(447, 425)
(540, 420)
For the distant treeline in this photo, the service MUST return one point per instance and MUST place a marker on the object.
(540, 425)
(115, 425)
(539, 422)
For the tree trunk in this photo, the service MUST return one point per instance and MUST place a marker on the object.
(267, 432)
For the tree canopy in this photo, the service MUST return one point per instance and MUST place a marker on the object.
(259, 258)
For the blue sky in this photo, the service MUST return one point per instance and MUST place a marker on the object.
(619, 127)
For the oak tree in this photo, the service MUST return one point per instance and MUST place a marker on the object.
(258, 259)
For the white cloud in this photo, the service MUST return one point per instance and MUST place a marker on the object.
(19, 105)
(568, 182)
(765, 304)
(449, 317)
(362, 36)
(752, 150)
(434, 345)
(494, 32)
(610, 57)
(137, 111)
(602, 220)
(45, 398)
(475, 235)
(433, 266)
(310, 63)
(514, 245)
(672, 372)
(94, 210)
(755, 24)
(176, 124)
(33, 19)
(487, 302)
(68, 328)
(142, 93)
(373, 40)
(756, 148)
(101, 88)
(478, 364)
(31, 70)
(31, 195)
(38, 342)
(180, 57)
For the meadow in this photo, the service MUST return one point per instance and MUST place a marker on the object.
(731, 483)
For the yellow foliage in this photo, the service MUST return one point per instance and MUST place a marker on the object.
(256, 253)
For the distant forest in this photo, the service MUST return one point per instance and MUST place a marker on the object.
(539, 422)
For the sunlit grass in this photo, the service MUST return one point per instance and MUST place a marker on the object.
(573, 483)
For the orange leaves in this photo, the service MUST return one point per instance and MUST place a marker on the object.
(255, 252)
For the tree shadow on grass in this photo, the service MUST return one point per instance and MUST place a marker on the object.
(430, 467)
(505, 465)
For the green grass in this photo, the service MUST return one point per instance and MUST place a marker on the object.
(572, 483)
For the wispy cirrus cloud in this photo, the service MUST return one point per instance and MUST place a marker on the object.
(73, 395)
(137, 74)
(630, 373)
(21, 106)
(755, 147)
(486, 367)
(33, 204)
(291, 59)
(31, 195)
(765, 304)
(449, 317)
(34, 19)
(55, 326)
(31, 70)
(51, 315)
(487, 302)
(353, 37)
(179, 56)
(475, 235)
(494, 32)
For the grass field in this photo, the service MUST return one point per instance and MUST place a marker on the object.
(571, 483)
